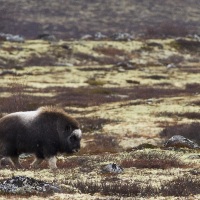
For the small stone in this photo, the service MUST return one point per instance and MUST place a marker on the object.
(100, 36)
(194, 157)
(180, 142)
(87, 37)
(126, 65)
(11, 38)
(171, 65)
(112, 168)
(120, 69)
(122, 37)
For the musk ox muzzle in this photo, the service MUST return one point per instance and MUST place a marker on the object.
(44, 132)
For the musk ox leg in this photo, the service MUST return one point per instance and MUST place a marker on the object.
(4, 161)
(52, 162)
(15, 162)
(36, 162)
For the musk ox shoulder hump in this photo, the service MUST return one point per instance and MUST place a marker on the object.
(57, 112)
(51, 109)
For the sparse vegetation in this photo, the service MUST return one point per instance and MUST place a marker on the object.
(181, 186)
(175, 59)
(123, 96)
(168, 28)
(183, 45)
(18, 100)
(41, 60)
(189, 115)
(110, 51)
(102, 143)
(94, 124)
(119, 189)
(154, 160)
(191, 131)
(94, 82)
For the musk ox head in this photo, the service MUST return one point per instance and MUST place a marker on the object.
(68, 129)
(70, 136)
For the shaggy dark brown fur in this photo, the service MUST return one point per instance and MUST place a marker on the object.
(43, 132)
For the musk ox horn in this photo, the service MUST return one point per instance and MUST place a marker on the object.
(44, 132)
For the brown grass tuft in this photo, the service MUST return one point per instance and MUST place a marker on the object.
(153, 160)
(190, 131)
(102, 143)
(117, 188)
(181, 186)
(109, 51)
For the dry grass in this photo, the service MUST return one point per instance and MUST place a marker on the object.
(115, 112)
(168, 28)
(189, 115)
(101, 143)
(110, 51)
(191, 131)
(41, 60)
(181, 186)
(154, 160)
(184, 45)
(120, 189)
(93, 124)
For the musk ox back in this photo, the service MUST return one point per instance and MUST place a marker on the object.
(44, 132)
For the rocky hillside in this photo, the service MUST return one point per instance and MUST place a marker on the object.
(72, 19)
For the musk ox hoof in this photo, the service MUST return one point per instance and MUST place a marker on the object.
(112, 168)
(52, 163)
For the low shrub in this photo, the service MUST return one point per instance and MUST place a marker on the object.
(153, 160)
(190, 131)
(181, 186)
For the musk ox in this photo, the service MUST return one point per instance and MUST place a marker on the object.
(44, 133)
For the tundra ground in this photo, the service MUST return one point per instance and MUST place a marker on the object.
(124, 94)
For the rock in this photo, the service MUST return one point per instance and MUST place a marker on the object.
(121, 69)
(87, 37)
(66, 47)
(26, 185)
(197, 37)
(150, 101)
(126, 65)
(11, 38)
(194, 157)
(171, 65)
(47, 37)
(112, 168)
(122, 37)
(100, 36)
(180, 141)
